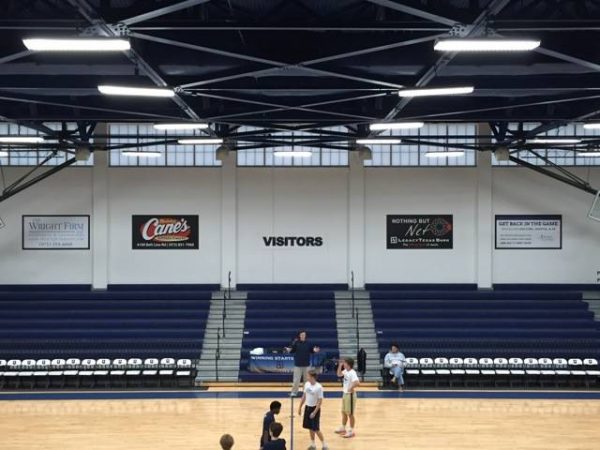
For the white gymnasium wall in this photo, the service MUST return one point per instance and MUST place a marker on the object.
(519, 191)
(292, 202)
(302, 202)
(70, 193)
(152, 191)
(421, 191)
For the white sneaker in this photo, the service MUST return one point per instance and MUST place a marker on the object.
(340, 430)
(349, 434)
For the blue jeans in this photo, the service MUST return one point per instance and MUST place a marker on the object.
(398, 373)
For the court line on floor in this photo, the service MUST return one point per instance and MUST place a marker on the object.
(132, 395)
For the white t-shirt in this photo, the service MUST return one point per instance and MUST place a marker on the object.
(313, 393)
(350, 376)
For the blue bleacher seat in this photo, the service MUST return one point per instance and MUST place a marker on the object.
(478, 324)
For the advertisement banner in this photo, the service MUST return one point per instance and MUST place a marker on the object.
(418, 232)
(533, 232)
(56, 232)
(164, 232)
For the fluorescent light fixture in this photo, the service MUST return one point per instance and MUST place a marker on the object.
(180, 126)
(453, 154)
(395, 126)
(486, 45)
(136, 91)
(435, 91)
(553, 141)
(200, 141)
(375, 141)
(141, 154)
(292, 154)
(594, 154)
(21, 139)
(3, 154)
(77, 45)
(592, 126)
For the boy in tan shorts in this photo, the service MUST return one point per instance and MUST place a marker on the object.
(351, 382)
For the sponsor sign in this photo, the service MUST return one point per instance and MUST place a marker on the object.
(541, 232)
(293, 241)
(172, 232)
(56, 232)
(419, 232)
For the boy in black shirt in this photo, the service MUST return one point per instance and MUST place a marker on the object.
(269, 419)
(275, 443)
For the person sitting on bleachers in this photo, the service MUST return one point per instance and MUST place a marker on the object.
(395, 362)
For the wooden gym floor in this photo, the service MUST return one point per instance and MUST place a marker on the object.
(382, 424)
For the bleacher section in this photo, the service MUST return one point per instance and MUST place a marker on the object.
(483, 326)
(273, 318)
(139, 327)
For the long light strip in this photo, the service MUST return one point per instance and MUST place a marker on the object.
(553, 141)
(136, 91)
(589, 154)
(453, 154)
(395, 126)
(21, 139)
(180, 126)
(292, 154)
(592, 126)
(486, 45)
(376, 141)
(436, 91)
(77, 45)
(200, 141)
(141, 154)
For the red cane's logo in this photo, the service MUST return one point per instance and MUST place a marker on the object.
(166, 229)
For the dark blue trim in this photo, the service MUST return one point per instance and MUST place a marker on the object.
(420, 287)
(123, 395)
(291, 286)
(164, 287)
(546, 287)
(45, 287)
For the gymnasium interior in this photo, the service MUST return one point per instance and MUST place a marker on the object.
(187, 185)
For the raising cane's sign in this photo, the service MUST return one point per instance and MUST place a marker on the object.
(164, 232)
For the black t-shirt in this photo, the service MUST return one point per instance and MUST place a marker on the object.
(302, 351)
(278, 444)
(267, 421)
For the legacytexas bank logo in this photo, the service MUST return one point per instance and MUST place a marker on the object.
(166, 229)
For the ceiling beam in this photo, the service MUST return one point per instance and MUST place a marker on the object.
(414, 12)
(279, 107)
(163, 11)
(278, 65)
(90, 14)
(492, 9)
(15, 56)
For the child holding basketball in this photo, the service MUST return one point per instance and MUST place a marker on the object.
(313, 397)
(351, 381)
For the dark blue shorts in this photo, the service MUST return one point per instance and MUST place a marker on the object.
(311, 424)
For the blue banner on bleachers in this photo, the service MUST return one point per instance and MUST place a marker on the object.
(278, 363)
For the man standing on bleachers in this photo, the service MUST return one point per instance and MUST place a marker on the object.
(302, 351)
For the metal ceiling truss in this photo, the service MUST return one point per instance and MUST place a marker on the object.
(269, 132)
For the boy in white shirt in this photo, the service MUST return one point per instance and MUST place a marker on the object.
(351, 381)
(313, 397)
